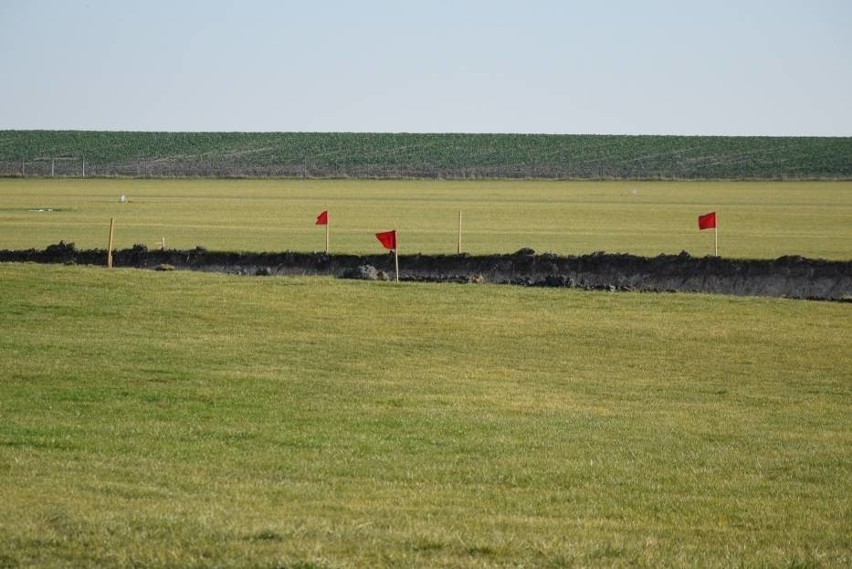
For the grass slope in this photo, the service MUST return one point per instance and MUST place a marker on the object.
(175, 419)
(152, 154)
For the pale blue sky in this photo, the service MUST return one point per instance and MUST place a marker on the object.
(743, 67)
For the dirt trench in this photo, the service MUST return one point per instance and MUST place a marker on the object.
(790, 276)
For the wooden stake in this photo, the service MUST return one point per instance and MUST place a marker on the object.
(109, 246)
(458, 247)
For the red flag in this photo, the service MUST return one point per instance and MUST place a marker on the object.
(707, 221)
(388, 239)
(322, 219)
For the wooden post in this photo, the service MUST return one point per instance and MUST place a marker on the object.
(458, 246)
(109, 246)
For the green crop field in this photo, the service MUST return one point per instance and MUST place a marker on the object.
(402, 155)
(199, 420)
(756, 219)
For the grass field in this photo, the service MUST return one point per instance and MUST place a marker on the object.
(756, 219)
(199, 420)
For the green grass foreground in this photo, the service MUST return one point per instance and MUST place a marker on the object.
(757, 220)
(202, 420)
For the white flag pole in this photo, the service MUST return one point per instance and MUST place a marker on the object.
(716, 237)
(396, 255)
(327, 223)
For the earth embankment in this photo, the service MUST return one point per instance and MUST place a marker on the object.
(790, 276)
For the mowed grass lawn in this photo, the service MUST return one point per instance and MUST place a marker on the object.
(756, 219)
(201, 420)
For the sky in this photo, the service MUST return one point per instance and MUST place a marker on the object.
(676, 67)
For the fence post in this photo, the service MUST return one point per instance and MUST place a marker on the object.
(109, 245)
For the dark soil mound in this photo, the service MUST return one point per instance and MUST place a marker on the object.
(793, 277)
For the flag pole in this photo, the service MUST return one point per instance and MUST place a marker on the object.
(711, 221)
(328, 222)
(389, 240)
(396, 256)
(716, 237)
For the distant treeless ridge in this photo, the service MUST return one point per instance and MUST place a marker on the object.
(404, 155)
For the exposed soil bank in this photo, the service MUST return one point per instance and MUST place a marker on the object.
(793, 277)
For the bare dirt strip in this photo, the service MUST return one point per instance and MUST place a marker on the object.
(790, 276)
